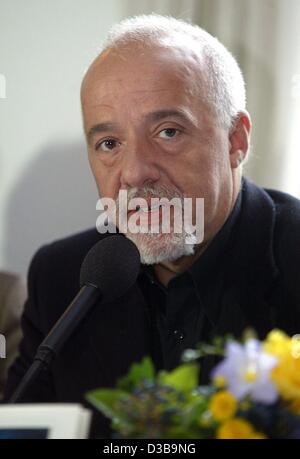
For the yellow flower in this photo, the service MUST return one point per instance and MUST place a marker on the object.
(277, 343)
(223, 405)
(286, 374)
(237, 429)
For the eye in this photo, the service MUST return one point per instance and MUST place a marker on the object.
(168, 133)
(106, 145)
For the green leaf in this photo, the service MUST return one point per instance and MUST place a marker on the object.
(105, 400)
(138, 372)
(193, 410)
(183, 378)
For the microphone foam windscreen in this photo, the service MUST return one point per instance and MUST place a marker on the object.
(112, 265)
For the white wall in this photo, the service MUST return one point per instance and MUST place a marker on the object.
(46, 190)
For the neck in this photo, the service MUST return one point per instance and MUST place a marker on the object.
(166, 270)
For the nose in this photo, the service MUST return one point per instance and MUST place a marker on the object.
(138, 166)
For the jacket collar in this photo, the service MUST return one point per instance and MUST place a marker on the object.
(252, 270)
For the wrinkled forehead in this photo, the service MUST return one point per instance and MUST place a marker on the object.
(143, 66)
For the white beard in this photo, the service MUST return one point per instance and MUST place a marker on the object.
(156, 248)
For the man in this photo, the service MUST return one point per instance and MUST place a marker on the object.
(164, 115)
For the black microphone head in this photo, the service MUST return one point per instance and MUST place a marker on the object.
(112, 265)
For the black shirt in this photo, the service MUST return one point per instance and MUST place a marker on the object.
(185, 312)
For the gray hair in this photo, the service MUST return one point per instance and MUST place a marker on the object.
(225, 83)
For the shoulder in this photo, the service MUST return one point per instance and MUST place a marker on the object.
(287, 217)
(271, 221)
(287, 206)
(283, 208)
(53, 278)
(67, 251)
(286, 236)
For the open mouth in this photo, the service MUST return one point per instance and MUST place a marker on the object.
(148, 215)
(148, 209)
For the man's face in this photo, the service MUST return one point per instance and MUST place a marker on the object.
(147, 127)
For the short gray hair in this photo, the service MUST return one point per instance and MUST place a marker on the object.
(225, 82)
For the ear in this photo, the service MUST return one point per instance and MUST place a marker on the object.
(239, 137)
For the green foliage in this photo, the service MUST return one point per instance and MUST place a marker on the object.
(143, 371)
(145, 404)
(106, 400)
(184, 378)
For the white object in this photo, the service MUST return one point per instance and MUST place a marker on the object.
(68, 421)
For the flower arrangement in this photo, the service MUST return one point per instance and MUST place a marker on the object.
(254, 394)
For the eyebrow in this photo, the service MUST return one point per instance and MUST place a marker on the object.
(98, 129)
(153, 116)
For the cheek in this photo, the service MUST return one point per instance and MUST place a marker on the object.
(95, 171)
(192, 174)
(199, 177)
(108, 183)
(99, 176)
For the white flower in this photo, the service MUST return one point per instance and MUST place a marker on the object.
(246, 370)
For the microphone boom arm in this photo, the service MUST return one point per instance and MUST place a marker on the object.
(59, 334)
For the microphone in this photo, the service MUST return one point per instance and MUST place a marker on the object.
(109, 269)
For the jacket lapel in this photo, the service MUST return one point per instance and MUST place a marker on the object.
(252, 271)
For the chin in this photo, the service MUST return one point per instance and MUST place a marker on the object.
(158, 248)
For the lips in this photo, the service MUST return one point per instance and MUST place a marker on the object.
(149, 208)
(149, 215)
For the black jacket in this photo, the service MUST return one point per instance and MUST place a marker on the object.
(262, 290)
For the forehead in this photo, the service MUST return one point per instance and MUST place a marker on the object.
(130, 75)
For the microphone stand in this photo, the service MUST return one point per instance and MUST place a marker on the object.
(59, 334)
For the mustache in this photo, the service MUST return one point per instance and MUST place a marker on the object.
(148, 192)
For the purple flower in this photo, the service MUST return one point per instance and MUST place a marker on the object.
(246, 370)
